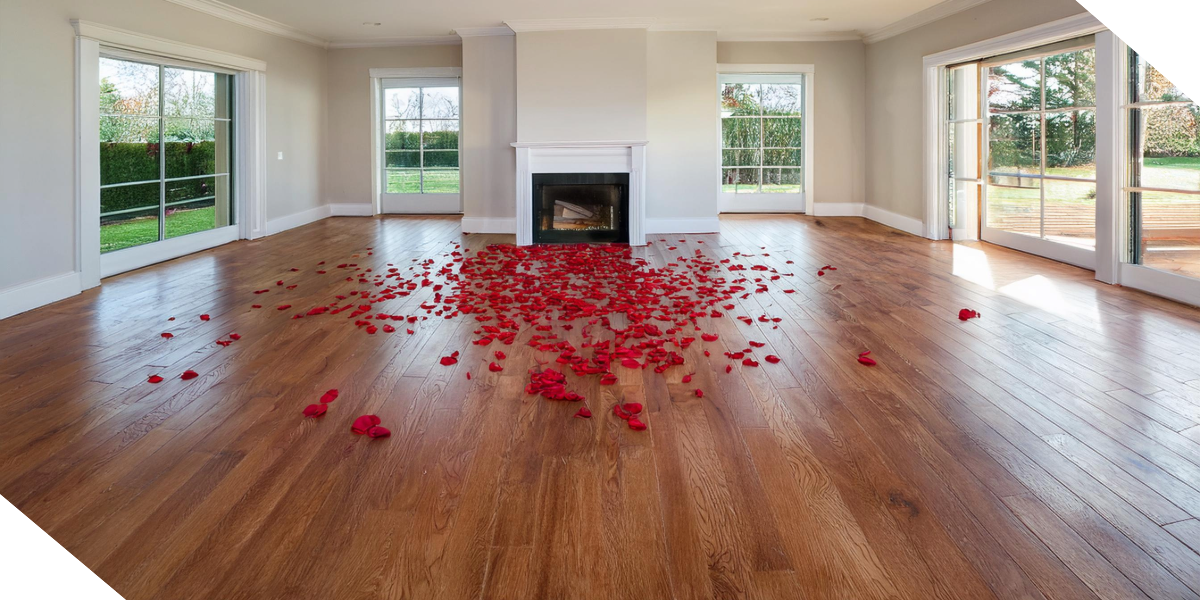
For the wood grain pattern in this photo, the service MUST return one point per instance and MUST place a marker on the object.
(1050, 449)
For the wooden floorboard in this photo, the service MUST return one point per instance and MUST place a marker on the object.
(1050, 449)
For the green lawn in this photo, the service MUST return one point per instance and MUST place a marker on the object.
(409, 181)
(143, 230)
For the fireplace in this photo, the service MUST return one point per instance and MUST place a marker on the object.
(581, 192)
(580, 208)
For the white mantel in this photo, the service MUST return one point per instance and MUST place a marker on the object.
(613, 156)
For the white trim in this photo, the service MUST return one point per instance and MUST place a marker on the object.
(420, 204)
(920, 19)
(245, 18)
(28, 296)
(87, 161)
(784, 69)
(377, 152)
(1040, 35)
(1110, 155)
(933, 188)
(393, 42)
(137, 257)
(357, 209)
(466, 32)
(299, 219)
(786, 36)
(418, 73)
(489, 225)
(130, 40)
(1062, 252)
(904, 223)
(596, 144)
(838, 209)
(1161, 283)
(672, 226)
(762, 203)
(250, 97)
(527, 25)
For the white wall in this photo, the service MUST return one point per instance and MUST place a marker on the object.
(581, 85)
(489, 127)
(37, 118)
(682, 180)
(894, 87)
(839, 105)
(349, 170)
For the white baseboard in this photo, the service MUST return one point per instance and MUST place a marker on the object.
(701, 225)
(838, 209)
(895, 221)
(295, 220)
(28, 296)
(489, 225)
(341, 209)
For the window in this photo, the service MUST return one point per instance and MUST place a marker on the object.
(1041, 146)
(165, 152)
(1163, 179)
(762, 134)
(964, 130)
(420, 136)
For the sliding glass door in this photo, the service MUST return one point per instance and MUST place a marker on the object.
(165, 156)
(1040, 194)
(1163, 180)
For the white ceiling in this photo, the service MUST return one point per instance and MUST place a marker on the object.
(342, 21)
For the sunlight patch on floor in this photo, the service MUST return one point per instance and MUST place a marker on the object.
(972, 264)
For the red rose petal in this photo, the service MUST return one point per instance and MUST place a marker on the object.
(155, 379)
(709, 337)
(967, 314)
(688, 378)
(632, 408)
(495, 368)
(363, 423)
(771, 358)
(583, 413)
(378, 432)
(448, 360)
(189, 374)
(500, 355)
(329, 396)
(866, 360)
(699, 393)
(749, 362)
(284, 307)
(204, 317)
(315, 410)
(636, 425)
(620, 412)
(168, 335)
(234, 336)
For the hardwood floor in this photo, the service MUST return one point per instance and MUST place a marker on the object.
(1050, 449)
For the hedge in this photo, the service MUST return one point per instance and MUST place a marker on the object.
(125, 162)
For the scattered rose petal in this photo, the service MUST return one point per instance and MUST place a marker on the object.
(329, 396)
(315, 410)
(636, 425)
(632, 408)
(168, 335)
(448, 360)
(363, 423)
(583, 413)
(699, 393)
(771, 358)
(967, 314)
(378, 432)
(189, 374)
(204, 317)
(155, 379)
(495, 368)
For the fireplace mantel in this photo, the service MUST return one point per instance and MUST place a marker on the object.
(582, 157)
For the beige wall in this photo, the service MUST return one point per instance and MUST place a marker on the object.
(581, 85)
(838, 107)
(37, 118)
(489, 127)
(681, 125)
(349, 171)
(894, 88)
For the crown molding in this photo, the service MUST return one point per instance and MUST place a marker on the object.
(783, 36)
(925, 17)
(234, 14)
(527, 25)
(466, 32)
(132, 40)
(390, 42)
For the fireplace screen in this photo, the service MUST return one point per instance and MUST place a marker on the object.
(580, 207)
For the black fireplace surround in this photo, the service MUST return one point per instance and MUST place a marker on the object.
(580, 208)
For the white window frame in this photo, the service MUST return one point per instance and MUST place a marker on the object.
(249, 137)
(773, 203)
(386, 203)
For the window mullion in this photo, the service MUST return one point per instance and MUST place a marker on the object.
(421, 136)
(1042, 150)
(162, 157)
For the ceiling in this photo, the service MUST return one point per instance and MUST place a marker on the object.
(358, 22)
